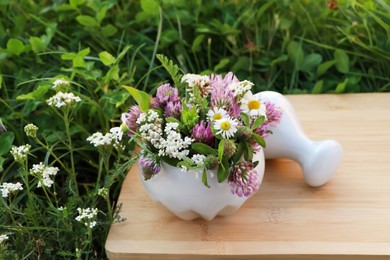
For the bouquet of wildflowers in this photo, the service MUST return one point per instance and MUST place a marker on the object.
(202, 122)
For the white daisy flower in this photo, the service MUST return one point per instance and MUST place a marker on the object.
(227, 127)
(216, 114)
(251, 105)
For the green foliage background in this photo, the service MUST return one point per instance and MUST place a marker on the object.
(290, 46)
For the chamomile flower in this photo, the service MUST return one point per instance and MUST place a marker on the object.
(251, 105)
(216, 114)
(227, 127)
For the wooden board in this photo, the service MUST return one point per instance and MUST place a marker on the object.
(348, 218)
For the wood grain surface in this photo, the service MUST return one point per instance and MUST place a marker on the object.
(348, 218)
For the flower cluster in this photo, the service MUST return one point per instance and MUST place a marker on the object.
(62, 99)
(20, 153)
(112, 138)
(10, 188)
(87, 216)
(210, 122)
(44, 174)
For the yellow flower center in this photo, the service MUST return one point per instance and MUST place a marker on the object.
(225, 125)
(217, 116)
(253, 104)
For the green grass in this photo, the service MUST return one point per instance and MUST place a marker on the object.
(290, 46)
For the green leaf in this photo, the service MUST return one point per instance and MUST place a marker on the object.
(342, 61)
(223, 170)
(203, 149)
(36, 94)
(171, 68)
(258, 122)
(84, 52)
(295, 53)
(204, 178)
(150, 7)
(221, 148)
(37, 45)
(310, 62)
(238, 154)
(109, 30)
(245, 119)
(68, 56)
(2, 160)
(113, 73)
(341, 87)
(106, 58)
(6, 140)
(75, 3)
(1, 80)
(221, 64)
(280, 59)
(87, 21)
(317, 87)
(324, 67)
(142, 98)
(260, 140)
(101, 14)
(197, 42)
(15, 46)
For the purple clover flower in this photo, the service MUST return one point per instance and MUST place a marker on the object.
(130, 119)
(173, 109)
(222, 96)
(217, 80)
(202, 133)
(149, 167)
(243, 179)
(165, 94)
(274, 115)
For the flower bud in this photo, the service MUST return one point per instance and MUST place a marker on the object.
(229, 148)
(31, 130)
(244, 132)
(211, 162)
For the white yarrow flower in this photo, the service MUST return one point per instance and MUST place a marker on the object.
(216, 114)
(9, 188)
(44, 174)
(240, 88)
(226, 127)
(87, 216)
(60, 82)
(63, 99)
(198, 159)
(20, 152)
(251, 105)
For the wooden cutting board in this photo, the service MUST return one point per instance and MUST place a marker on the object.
(348, 218)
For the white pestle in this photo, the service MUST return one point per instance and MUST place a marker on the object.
(319, 160)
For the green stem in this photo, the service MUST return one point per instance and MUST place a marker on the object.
(70, 145)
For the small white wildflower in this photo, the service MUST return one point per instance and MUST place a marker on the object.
(87, 216)
(116, 133)
(227, 127)
(141, 118)
(240, 88)
(198, 159)
(60, 82)
(44, 174)
(184, 168)
(63, 99)
(216, 114)
(61, 208)
(98, 139)
(10, 188)
(196, 80)
(20, 152)
(3, 238)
